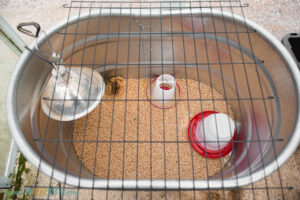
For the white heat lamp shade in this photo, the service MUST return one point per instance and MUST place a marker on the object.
(215, 131)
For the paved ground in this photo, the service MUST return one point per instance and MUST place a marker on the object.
(278, 16)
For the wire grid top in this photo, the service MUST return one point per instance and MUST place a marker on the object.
(266, 188)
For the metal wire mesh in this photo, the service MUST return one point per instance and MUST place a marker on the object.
(266, 189)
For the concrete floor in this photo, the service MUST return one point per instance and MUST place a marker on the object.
(278, 16)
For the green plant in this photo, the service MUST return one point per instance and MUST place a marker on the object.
(17, 180)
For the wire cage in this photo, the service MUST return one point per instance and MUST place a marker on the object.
(221, 62)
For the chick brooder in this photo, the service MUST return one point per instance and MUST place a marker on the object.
(199, 41)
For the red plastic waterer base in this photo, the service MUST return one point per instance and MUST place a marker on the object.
(200, 148)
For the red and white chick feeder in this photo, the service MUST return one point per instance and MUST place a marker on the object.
(163, 91)
(212, 134)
